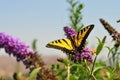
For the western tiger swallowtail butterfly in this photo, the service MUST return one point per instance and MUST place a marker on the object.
(76, 42)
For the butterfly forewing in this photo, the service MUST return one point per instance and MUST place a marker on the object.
(80, 38)
(61, 44)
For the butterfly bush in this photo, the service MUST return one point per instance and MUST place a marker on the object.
(14, 46)
(23, 53)
(85, 54)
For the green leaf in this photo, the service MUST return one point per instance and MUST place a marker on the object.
(99, 47)
(33, 74)
(109, 49)
(34, 47)
(96, 69)
(73, 77)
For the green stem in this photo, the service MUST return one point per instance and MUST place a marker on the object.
(87, 66)
(68, 68)
(68, 72)
(91, 74)
(93, 68)
(90, 71)
(93, 65)
(94, 78)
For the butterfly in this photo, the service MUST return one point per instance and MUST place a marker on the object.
(76, 42)
(115, 35)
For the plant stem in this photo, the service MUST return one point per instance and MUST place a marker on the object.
(87, 66)
(68, 71)
(91, 74)
(93, 77)
(93, 65)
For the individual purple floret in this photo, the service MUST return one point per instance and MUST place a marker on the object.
(14, 46)
(69, 32)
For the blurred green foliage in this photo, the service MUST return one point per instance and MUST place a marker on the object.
(75, 14)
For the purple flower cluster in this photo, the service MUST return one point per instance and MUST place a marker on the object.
(85, 54)
(14, 46)
(69, 32)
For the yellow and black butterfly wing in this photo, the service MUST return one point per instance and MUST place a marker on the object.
(68, 45)
(61, 44)
(80, 38)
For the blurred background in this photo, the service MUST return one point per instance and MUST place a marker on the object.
(44, 20)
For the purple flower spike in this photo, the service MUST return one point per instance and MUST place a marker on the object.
(69, 32)
(14, 46)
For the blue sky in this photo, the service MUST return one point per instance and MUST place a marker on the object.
(45, 19)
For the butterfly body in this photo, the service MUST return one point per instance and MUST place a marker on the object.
(72, 44)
